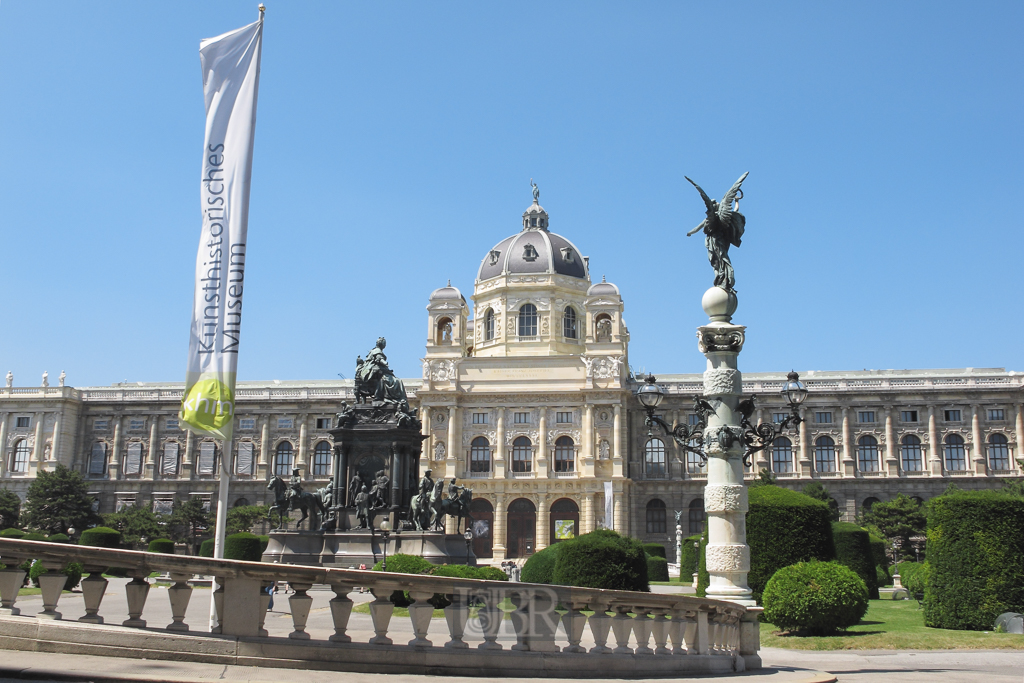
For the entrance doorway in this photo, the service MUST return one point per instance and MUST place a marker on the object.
(483, 527)
(565, 520)
(522, 528)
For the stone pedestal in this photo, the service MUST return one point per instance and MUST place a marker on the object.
(345, 549)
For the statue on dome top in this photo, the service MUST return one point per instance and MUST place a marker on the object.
(536, 192)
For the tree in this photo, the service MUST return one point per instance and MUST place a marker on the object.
(243, 517)
(898, 520)
(135, 523)
(817, 490)
(57, 501)
(765, 478)
(188, 522)
(10, 509)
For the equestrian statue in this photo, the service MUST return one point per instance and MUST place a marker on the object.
(290, 496)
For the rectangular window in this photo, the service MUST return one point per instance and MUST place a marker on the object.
(247, 423)
(133, 458)
(996, 414)
(99, 425)
(479, 418)
(125, 501)
(908, 416)
(23, 422)
(98, 459)
(521, 418)
(169, 459)
(172, 424)
(136, 425)
(244, 460)
(563, 418)
(952, 416)
(823, 418)
(866, 416)
(323, 423)
(284, 423)
(207, 455)
(693, 419)
(779, 418)
(163, 506)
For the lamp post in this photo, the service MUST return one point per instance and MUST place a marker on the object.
(468, 535)
(385, 533)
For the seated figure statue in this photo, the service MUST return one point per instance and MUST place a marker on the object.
(375, 380)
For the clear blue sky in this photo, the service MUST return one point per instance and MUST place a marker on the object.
(394, 146)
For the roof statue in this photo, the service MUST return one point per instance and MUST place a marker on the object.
(722, 227)
(536, 192)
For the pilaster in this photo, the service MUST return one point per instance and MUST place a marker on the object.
(55, 441)
(978, 449)
(37, 447)
(588, 456)
(806, 468)
(114, 466)
(186, 460)
(543, 524)
(5, 456)
(152, 455)
(500, 519)
(498, 460)
(617, 464)
(892, 465)
(849, 448)
(454, 442)
(301, 460)
(1019, 428)
(934, 446)
(263, 466)
(542, 447)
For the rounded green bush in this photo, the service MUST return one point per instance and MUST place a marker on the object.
(602, 559)
(404, 564)
(655, 549)
(35, 571)
(878, 552)
(688, 558)
(657, 568)
(853, 549)
(72, 570)
(243, 546)
(815, 598)
(101, 537)
(882, 577)
(58, 538)
(540, 567)
(264, 542)
(161, 545)
(34, 536)
(206, 548)
(12, 533)
(491, 574)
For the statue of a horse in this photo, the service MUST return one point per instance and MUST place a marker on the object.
(307, 502)
(420, 513)
(455, 507)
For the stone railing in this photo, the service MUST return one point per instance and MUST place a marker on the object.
(690, 635)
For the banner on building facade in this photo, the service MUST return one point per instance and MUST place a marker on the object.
(231, 73)
(609, 505)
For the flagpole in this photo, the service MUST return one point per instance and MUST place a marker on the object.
(222, 520)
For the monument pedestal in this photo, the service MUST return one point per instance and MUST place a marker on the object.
(350, 549)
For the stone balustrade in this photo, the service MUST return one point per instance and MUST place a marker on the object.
(633, 634)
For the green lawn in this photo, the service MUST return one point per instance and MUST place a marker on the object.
(894, 625)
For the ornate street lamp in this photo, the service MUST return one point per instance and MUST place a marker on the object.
(650, 395)
(469, 541)
(758, 437)
(385, 533)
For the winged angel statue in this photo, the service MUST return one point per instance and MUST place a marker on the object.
(722, 227)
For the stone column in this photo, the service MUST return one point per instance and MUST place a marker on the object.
(152, 456)
(498, 533)
(37, 447)
(587, 514)
(618, 523)
(543, 523)
(114, 466)
(427, 454)
(301, 458)
(498, 455)
(263, 466)
(542, 445)
(617, 465)
(806, 468)
(1016, 453)
(978, 451)
(725, 496)
(594, 507)
(4, 459)
(55, 438)
(892, 463)
(849, 448)
(588, 453)
(934, 446)
(454, 443)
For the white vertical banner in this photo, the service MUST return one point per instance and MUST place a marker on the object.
(231, 71)
(609, 506)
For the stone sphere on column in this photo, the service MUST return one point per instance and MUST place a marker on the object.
(719, 304)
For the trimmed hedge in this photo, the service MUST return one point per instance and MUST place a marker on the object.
(161, 545)
(976, 558)
(33, 536)
(853, 549)
(404, 564)
(243, 546)
(206, 548)
(602, 559)
(72, 570)
(490, 574)
(58, 538)
(657, 568)
(688, 559)
(882, 577)
(703, 578)
(878, 553)
(101, 537)
(264, 541)
(913, 576)
(540, 567)
(783, 528)
(655, 549)
(12, 533)
(815, 598)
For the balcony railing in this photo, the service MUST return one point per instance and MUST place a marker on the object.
(695, 635)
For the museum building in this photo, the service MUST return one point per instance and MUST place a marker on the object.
(527, 398)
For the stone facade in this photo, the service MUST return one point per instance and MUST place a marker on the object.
(526, 397)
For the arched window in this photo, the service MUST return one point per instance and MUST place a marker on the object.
(782, 455)
(522, 455)
(603, 328)
(656, 517)
(867, 453)
(565, 520)
(241, 502)
(283, 459)
(953, 451)
(21, 453)
(522, 528)
(565, 455)
(444, 331)
(97, 459)
(824, 454)
(868, 503)
(998, 452)
(910, 449)
(133, 459)
(569, 323)
(696, 516)
(322, 459)
(489, 324)
(693, 462)
(654, 458)
(480, 455)
(528, 320)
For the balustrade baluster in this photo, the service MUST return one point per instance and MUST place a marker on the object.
(420, 613)
(574, 621)
(660, 627)
(521, 620)
(179, 596)
(600, 623)
(218, 589)
(136, 591)
(50, 585)
(264, 606)
(642, 630)
(677, 632)
(542, 620)
(299, 603)
(490, 618)
(700, 636)
(11, 581)
(381, 610)
(93, 589)
(621, 628)
(341, 611)
(457, 614)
